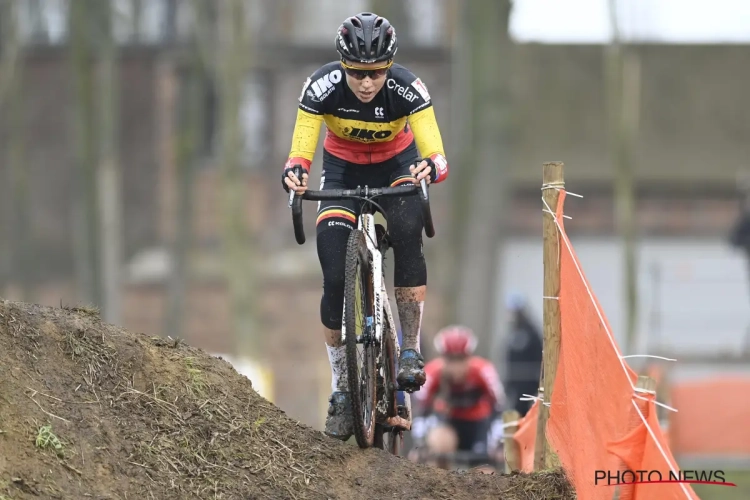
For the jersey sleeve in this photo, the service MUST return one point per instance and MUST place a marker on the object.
(429, 141)
(416, 103)
(315, 100)
(309, 118)
(304, 139)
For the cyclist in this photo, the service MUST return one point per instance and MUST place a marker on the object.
(381, 131)
(461, 399)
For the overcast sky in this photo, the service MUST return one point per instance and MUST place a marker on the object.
(668, 21)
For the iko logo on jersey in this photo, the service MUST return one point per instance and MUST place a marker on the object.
(366, 135)
(322, 87)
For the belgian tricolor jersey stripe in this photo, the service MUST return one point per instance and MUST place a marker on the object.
(338, 212)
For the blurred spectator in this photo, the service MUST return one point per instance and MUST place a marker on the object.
(740, 236)
(523, 355)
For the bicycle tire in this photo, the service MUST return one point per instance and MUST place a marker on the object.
(388, 365)
(361, 376)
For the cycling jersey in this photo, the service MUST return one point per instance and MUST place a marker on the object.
(476, 398)
(366, 133)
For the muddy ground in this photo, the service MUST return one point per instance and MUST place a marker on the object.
(91, 411)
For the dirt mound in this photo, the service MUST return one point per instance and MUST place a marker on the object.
(88, 410)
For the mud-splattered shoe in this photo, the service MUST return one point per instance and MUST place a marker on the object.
(410, 371)
(339, 423)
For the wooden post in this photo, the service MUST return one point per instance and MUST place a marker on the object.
(646, 383)
(552, 176)
(510, 445)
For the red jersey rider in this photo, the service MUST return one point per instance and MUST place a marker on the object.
(461, 397)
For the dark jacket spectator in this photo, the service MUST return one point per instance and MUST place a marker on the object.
(523, 356)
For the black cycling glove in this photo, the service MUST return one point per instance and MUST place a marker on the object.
(298, 171)
(433, 169)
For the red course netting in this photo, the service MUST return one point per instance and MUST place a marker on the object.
(525, 436)
(692, 429)
(593, 423)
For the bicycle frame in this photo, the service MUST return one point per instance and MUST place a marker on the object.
(366, 224)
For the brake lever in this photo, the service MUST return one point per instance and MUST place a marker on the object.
(298, 173)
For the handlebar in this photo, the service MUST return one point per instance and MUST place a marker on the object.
(295, 201)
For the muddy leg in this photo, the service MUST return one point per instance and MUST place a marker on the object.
(410, 304)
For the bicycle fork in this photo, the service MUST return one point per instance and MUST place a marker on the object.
(373, 327)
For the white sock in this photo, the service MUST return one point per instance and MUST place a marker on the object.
(410, 317)
(337, 358)
(419, 330)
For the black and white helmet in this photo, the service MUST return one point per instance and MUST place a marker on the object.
(366, 38)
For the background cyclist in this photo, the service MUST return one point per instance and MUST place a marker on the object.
(461, 399)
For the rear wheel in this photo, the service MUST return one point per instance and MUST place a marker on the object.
(387, 438)
(360, 338)
(387, 401)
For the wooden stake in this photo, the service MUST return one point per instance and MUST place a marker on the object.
(552, 176)
(510, 445)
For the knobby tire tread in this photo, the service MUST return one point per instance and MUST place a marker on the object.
(356, 253)
(385, 439)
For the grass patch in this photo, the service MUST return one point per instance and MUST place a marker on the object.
(87, 309)
(197, 384)
(45, 439)
(91, 350)
(739, 477)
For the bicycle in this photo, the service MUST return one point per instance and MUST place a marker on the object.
(368, 329)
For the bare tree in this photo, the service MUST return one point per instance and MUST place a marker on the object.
(108, 175)
(623, 83)
(9, 49)
(17, 259)
(234, 53)
(85, 216)
(190, 120)
(481, 189)
(10, 45)
(136, 20)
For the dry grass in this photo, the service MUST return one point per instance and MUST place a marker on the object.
(547, 485)
(118, 415)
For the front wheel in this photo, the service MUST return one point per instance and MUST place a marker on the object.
(360, 337)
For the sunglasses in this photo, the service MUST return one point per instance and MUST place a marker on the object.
(361, 74)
